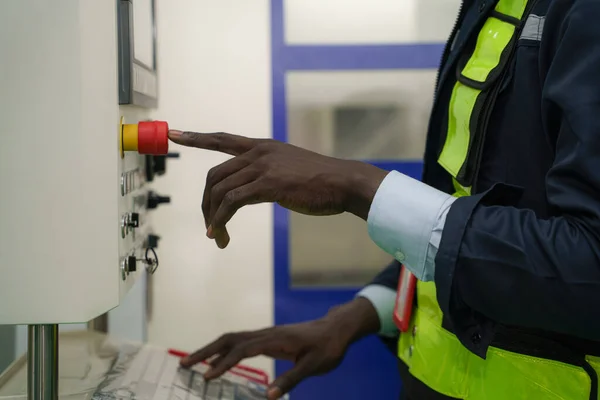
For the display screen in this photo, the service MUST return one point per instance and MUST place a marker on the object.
(143, 32)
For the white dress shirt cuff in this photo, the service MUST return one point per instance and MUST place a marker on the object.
(406, 220)
(384, 301)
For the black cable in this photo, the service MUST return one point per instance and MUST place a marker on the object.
(152, 263)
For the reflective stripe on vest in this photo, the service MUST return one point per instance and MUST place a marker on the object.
(434, 355)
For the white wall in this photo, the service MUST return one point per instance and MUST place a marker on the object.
(318, 22)
(214, 61)
(350, 21)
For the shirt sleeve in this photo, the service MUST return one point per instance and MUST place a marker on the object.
(406, 220)
(383, 300)
(500, 264)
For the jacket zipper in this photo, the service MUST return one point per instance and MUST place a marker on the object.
(489, 106)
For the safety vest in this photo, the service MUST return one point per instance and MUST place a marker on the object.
(433, 354)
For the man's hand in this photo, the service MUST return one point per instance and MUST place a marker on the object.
(315, 347)
(265, 170)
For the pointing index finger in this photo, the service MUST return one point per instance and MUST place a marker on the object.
(222, 142)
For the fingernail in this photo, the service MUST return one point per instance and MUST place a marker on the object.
(209, 232)
(184, 361)
(274, 393)
(174, 134)
(222, 239)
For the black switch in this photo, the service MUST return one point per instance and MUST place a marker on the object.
(154, 200)
(134, 220)
(152, 241)
(149, 168)
(131, 264)
(157, 165)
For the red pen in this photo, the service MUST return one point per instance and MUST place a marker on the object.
(178, 353)
(262, 376)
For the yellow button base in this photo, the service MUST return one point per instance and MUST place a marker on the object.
(128, 137)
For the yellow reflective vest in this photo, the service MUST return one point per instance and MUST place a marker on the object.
(433, 354)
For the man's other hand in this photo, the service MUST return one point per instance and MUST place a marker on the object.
(315, 347)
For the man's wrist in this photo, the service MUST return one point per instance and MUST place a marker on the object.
(405, 216)
(354, 320)
(361, 185)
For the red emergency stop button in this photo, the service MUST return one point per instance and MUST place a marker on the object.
(153, 137)
(147, 137)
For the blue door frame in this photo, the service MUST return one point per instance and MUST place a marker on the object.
(369, 371)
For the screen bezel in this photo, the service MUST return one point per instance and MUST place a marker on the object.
(137, 81)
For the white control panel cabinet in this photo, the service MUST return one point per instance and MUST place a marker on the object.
(64, 188)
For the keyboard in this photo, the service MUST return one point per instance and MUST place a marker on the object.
(151, 373)
(228, 387)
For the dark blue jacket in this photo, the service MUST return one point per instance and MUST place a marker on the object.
(521, 257)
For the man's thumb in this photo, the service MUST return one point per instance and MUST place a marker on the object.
(286, 382)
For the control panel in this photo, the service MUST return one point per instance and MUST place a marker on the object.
(144, 149)
(75, 220)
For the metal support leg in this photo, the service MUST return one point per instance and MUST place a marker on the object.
(42, 362)
(99, 324)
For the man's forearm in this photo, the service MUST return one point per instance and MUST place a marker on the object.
(355, 319)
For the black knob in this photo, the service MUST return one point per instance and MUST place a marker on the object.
(134, 220)
(154, 200)
(157, 165)
(131, 264)
(152, 241)
(149, 168)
